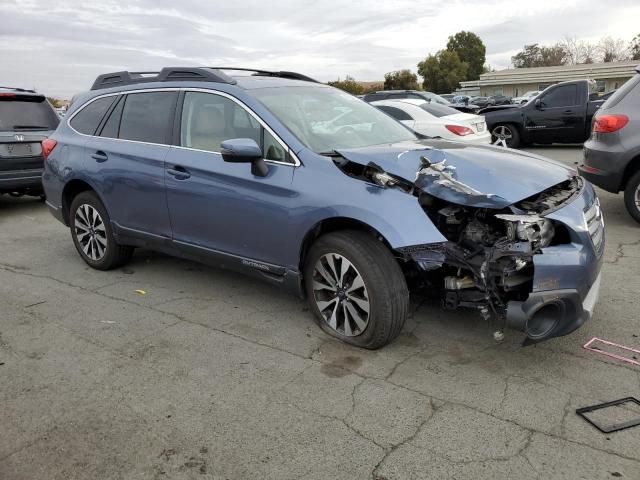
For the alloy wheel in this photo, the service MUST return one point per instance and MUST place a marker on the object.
(341, 295)
(502, 134)
(90, 232)
(637, 197)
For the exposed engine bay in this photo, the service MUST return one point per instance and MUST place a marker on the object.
(487, 260)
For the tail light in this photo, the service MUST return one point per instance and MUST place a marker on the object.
(459, 130)
(609, 123)
(48, 144)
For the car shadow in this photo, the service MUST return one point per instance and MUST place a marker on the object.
(9, 204)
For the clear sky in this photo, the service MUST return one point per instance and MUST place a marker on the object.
(59, 46)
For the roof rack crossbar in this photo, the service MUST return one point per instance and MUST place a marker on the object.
(269, 73)
(167, 74)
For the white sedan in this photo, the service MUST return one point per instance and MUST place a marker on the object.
(435, 120)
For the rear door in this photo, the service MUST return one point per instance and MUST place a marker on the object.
(126, 159)
(221, 206)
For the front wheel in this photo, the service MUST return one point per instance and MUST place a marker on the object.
(506, 135)
(632, 196)
(92, 233)
(356, 289)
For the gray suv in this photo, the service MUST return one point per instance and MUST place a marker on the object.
(612, 154)
(26, 118)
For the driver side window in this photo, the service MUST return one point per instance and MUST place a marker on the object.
(565, 96)
(209, 119)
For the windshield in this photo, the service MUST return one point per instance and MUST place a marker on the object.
(26, 112)
(327, 119)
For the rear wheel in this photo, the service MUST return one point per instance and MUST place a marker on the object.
(356, 289)
(92, 234)
(632, 196)
(505, 134)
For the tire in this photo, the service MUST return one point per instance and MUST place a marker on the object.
(508, 132)
(92, 234)
(384, 289)
(632, 196)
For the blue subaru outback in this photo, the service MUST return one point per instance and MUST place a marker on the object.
(308, 187)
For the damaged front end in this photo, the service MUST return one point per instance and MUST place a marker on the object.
(507, 260)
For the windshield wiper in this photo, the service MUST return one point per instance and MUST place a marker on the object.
(31, 127)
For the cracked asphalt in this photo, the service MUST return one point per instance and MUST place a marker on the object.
(214, 375)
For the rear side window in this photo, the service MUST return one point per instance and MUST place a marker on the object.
(111, 127)
(395, 112)
(87, 120)
(564, 96)
(438, 110)
(622, 92)
(148, 117)
(26, 112)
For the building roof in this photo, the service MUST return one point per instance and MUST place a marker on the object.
(561, 73)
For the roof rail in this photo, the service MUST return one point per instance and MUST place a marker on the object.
(269, 73)
(167, 74)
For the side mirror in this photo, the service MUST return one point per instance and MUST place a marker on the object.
(538, 104)
(244, 150)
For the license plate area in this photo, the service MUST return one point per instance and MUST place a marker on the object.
(13, 150)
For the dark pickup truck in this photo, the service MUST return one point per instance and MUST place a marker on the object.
(560, 114)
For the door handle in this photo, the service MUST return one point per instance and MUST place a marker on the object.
(178, 172)
(568, 111)
(99, 156)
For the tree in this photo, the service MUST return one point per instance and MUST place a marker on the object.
(349, 84)
(470, 50)
(578, 51)
(539, 56)
(527, 58)
(54, 102)
(612, 49)
(442, 72)
(634, 48)
(400, 80)
(552, 56)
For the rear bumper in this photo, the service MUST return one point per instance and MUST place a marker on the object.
(21, 180)
(604, 165)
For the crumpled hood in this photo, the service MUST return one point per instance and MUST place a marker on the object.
(481, 176)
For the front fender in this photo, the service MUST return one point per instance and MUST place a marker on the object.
(396, 215)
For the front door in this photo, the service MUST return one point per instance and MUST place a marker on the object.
(221, 206)
(558, 117)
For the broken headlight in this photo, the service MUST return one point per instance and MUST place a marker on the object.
(530, 228)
